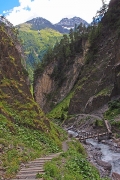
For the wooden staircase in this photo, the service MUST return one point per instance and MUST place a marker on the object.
(32, 168)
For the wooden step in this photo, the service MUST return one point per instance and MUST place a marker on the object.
(28, 179)
(42, 160)
(25, 176)
(33, 168)
(29, 171)
(33, 162)
(51, 155)
(34, 165)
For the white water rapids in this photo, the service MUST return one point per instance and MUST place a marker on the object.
(108, 155)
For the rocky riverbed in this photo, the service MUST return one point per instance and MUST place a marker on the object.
(105, 155)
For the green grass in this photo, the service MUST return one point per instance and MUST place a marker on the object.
(25, 132)
(35, 45)
(71, 165)
(21, 144)
(106, 91)
(113, 115)
(61, 110)
(114, 109)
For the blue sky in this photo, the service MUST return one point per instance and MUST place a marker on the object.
(19, 11)
(7, 5)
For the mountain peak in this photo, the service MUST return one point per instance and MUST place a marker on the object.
(63, 26)
(40, 23)
(69, 23)
(39, 20)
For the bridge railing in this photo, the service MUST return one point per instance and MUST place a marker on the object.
(108, 126)
(88, 135)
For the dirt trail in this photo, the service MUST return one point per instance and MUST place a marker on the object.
(65, 145)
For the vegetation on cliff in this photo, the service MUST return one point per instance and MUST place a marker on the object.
(25, 132)
(101, 66)
(99, 77)
(35, 44)
(71, 165)
(64, 51)
(61, 65)
(113, 115)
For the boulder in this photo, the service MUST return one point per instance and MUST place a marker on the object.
(105, 165)
(115, 176)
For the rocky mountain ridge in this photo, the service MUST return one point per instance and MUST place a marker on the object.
(39, 34)
(51, 88)
(68, 23)
(63, 26)
(103, 77)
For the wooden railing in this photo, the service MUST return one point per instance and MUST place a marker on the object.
(108, 126)
(88, 135)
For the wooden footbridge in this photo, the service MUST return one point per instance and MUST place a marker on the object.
(104, 135)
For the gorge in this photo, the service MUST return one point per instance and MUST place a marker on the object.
(76, 88)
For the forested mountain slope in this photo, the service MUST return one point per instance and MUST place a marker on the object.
(25, 132)
(87, 73)
(38, 35)
(36, 43)
(57, 74)
(102, 65)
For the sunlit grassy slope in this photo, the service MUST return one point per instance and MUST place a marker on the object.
(25, 132)
(35, 43)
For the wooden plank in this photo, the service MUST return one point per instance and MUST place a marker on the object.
(31, 168)
(107, 126)
(87, 136)
(31, 171)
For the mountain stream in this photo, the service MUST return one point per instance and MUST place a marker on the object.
(105, 155)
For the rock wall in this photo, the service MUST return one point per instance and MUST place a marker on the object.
(49, 91)
(16, 102)
(99, 81)
(94, 75)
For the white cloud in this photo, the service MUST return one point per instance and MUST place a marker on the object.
(53, 10)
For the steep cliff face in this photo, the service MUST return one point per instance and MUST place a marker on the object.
(57, 80)
(14, 90)
(100, 79)
(94, 75)
(25, 132)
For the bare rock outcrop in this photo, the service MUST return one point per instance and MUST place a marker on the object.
(99, 81)
(115, 176)
(94, 73)
(49, 91)
(105, 165)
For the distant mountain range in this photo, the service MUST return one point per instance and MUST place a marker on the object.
(70, 23)
(63, 26)
(40, 34)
